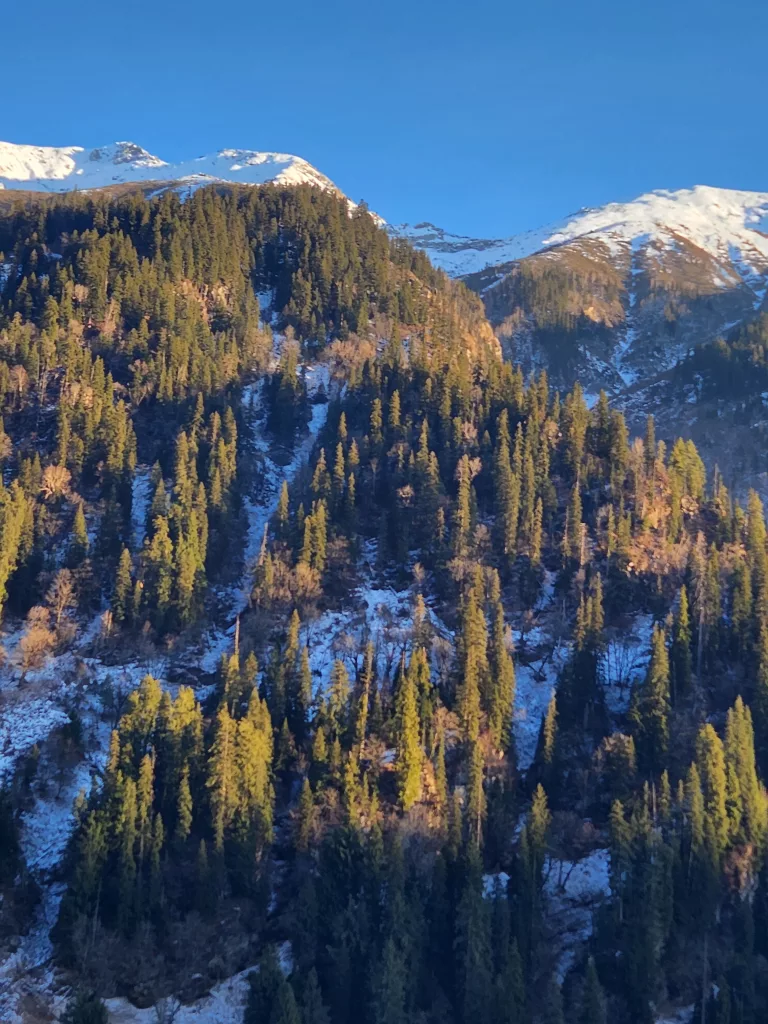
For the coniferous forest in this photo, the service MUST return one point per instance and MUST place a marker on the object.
(377, 823)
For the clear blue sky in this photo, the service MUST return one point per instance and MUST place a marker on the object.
(487, 117)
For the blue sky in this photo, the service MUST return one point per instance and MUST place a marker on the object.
(486, 118)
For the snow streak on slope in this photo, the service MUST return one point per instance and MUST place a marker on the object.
(220, 641)
(61, 169)
(722, 222)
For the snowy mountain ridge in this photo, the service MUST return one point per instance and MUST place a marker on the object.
(711, 218)
(63, 168)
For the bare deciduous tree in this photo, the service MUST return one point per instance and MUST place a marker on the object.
(56, 481)
(38, 638)
(61, 595)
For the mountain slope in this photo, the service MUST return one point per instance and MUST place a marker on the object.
(61, 169)
(615, 295)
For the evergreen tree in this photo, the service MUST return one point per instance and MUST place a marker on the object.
(79, 544)
(650, 711)
(680, 655)
(593, 1000)
(222, 776)
(122, 596)
(85, 1008)
(408, 757)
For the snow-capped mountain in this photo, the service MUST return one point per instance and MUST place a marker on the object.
(714, 219)
(616, 295)
(61, 169)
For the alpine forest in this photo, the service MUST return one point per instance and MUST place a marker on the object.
(351, 674)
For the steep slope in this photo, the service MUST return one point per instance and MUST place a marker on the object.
(61, 169)
(618, 294)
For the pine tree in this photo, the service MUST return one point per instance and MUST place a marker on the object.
(572, 541)
(710, 761)
(184, 807)
(746, 798)
(338, 697)
(313, 1010)
(284, 1008)
(361, 725)
(79, 544)
(553, 1004)
(462, 517)
(680, 655)
(695, 805)
(121, 598)
(304, 821)
(650, 711)
(472, 945)
(476, 806)
(593, 999)
(389, 986)
(127, 858)
(409, 755)
(319, 537)
(741, 608)
(160, 570)
(549, 732)
(283, 511)
(620, 849)
(85, 1007)
(502, 677)
(473, 641)
(538, 826)
(761, 695)
(222, 776)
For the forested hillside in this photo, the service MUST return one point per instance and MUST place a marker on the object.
(465, 720)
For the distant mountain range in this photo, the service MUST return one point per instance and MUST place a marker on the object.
(612, 296)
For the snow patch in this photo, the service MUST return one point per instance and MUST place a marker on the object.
(141, 497)
(574, 890)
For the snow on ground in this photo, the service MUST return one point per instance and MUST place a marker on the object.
(36, 702)
(378, 613)
(682, 1016)
(547, 594)
(224, 1005)
(542, 658)
(535, 685)
(625, 663)
(493, 882)
(574, 890)
(140, 499)
(27, 971)
(46, 828)
(23, 723)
